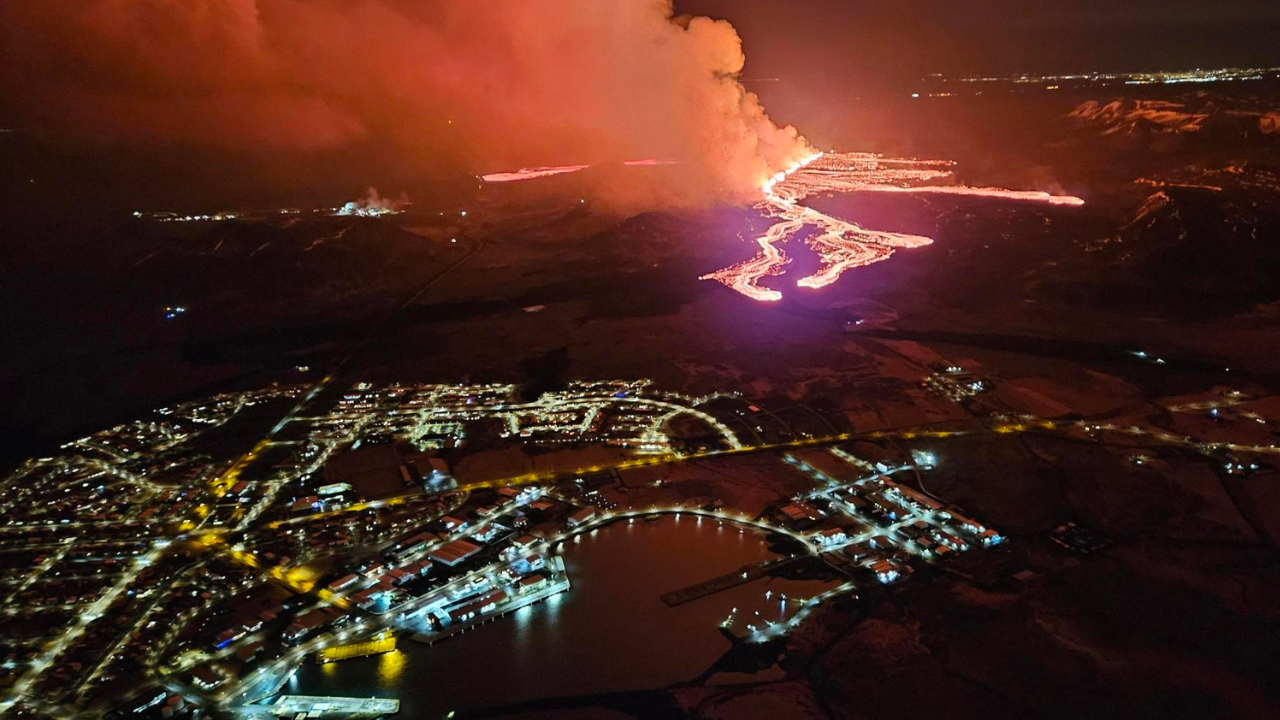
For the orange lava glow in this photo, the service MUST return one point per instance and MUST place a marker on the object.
(843, 245)
(531, 173)
(1037, 196)
(540, 172)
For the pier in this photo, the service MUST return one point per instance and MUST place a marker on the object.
(741, 576)
(383, 643)
(312, 706)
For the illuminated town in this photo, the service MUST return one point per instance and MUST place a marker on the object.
(1093, 79)
(154, 566)
(639, 360)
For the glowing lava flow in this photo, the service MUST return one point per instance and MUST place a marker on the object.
(540, 172)
(842, 245)
(1028, 195)
(531, 173)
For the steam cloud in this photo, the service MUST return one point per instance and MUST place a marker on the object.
(372, 205)
(469, 85)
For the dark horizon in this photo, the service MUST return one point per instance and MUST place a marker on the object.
(898, 42)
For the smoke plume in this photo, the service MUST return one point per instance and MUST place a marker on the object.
(372, 205)
(447, 85)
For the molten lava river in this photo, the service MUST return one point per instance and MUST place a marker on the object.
(841, 245)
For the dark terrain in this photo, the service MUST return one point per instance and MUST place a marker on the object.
(1176, 255)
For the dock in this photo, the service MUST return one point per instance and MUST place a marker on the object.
(520, 601)
(741, 576)
(315, 707)
(383, 643)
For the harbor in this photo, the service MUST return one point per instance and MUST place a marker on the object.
(312, 707)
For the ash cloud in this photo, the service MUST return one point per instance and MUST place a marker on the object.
(441, 85)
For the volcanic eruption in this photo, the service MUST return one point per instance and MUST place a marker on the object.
(843, 245)
(446, 88)
(433, 88)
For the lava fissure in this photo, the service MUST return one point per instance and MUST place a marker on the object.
(842, 245)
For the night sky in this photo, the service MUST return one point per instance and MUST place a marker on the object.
(262, 96)
(867, 43)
